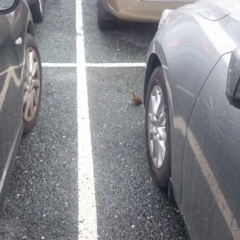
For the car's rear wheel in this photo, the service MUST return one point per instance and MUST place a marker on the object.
(157, 129)
(106, 20)
(32, 84)
(37, 11)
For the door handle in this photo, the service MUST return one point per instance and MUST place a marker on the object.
(18, 41)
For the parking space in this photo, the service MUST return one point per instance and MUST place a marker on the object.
(129, 204)
(87, 121)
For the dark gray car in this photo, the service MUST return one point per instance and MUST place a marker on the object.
(192, 102)
(20, 82)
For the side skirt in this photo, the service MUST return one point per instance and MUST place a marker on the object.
(8, 167)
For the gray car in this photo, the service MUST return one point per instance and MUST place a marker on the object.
(20, 83)
(192, 106)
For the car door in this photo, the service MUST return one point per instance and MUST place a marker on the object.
(211, 166)
(10, 86)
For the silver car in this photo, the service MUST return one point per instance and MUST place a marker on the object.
(192, 106)
(108, 11)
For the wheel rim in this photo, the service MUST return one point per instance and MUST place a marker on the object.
(157, 126)
(41, 6)
(31, 85)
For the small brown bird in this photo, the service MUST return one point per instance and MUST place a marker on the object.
(135, 98)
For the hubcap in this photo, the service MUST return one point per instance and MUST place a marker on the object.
(31, 85)
(157, 127)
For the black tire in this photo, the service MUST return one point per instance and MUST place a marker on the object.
(31, 43)
(37, 11)
(105, 20)
(161, 175)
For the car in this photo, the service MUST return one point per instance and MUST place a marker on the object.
(108, 11)
(36, 7)
(192, 115)
(20, 83)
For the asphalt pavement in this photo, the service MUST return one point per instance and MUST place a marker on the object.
(43, 196)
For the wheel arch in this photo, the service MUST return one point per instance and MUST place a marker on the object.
(154, 61)
(152, 64)
(30, 28)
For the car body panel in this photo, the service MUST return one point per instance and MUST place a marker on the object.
(211, 11)
(217, 193)
(144, 10)
(194, 51)
(13, 28)
(209, 192)
(10, 89)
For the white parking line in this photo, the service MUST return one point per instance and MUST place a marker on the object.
(87, 215)
(94, 65)
(59, 65)
(114, 65)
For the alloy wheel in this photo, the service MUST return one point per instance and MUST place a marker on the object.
(157, 126)
(31, 85)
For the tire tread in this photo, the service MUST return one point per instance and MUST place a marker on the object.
(163, 174)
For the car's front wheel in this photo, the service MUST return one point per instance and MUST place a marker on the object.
(32, 84)
(157, 128)
(37, 11)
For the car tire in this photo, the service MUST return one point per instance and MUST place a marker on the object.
(32, 84)
(161, 170)
(37, 11)
(105, 20)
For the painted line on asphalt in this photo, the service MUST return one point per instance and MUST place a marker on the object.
(59, 65)
(114, 65)
(87, 214)
(94, 65)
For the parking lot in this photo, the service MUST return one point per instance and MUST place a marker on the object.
(82, 173)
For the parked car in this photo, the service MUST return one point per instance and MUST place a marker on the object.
(20, 82)
(108, 11)
(36, 7)
(192, 115)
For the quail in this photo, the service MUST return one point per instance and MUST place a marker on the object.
(135, 98)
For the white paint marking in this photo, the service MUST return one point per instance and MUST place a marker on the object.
(115, 65)
(95, 65)
(59, 65)
(87, 215)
